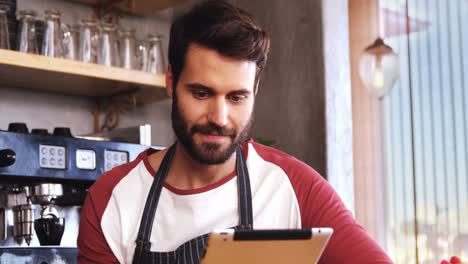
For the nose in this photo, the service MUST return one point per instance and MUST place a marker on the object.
(219, 112)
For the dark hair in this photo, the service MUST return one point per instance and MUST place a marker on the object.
(220, 26)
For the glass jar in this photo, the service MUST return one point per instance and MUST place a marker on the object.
(89, 37)
(4, 37)
(71, 45)
(128, 56)
(142, 55)
(107, 48)
(27, 41)
(55, 35)
(156, 63)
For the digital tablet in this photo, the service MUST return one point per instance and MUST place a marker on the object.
(299, 246)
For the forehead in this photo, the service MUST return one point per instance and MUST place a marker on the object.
(210, 68)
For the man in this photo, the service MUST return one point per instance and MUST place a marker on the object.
(159, 207)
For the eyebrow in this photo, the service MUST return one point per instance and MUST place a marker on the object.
(211, 90)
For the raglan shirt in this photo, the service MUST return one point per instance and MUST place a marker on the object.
(286, 193)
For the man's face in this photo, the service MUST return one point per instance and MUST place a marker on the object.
(212, 104)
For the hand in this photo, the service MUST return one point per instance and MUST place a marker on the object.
(453, 260)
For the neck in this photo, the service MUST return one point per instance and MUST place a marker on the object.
(191, 174)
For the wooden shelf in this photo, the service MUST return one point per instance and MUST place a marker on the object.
(37, 72)
(138, 7)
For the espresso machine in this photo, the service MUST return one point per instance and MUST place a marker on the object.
(44, 179)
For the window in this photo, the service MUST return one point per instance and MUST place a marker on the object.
(425, 133)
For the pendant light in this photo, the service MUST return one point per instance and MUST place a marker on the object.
(379, 64)
(378, 68)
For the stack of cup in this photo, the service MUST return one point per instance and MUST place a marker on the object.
(8, 23)
(90, 41)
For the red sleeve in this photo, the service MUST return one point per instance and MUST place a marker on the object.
(320, 206)
(92, 246)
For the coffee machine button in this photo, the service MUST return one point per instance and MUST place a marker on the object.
(39, 131)
(62, 131)
(18, 128)
(52, 151)
(7, 157)
(86, 159)
(43, 161)
(52, 162)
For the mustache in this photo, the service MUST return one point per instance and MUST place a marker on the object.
(213, 129)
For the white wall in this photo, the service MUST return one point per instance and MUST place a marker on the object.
(338, 98)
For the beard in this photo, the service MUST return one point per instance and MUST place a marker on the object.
(207, 153)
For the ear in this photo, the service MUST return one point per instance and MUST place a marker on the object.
(169, 82)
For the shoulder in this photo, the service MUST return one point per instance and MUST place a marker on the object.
(297, 171)
(320, 206)
(313, 193)
(101, 191)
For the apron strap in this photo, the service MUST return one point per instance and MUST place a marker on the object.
(244, 192)
(146, 222)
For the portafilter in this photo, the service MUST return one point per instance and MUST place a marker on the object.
(45, 193)
(49, 227)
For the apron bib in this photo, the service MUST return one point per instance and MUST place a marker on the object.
(193, 250)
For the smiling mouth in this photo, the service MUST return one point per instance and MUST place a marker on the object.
(213, 137)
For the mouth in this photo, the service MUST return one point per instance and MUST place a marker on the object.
(213, 137)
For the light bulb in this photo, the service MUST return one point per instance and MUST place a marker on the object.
(378, 79)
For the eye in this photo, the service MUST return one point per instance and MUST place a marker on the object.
(200, 94)
(237, 98)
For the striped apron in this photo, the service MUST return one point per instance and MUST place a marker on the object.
(191, 251)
